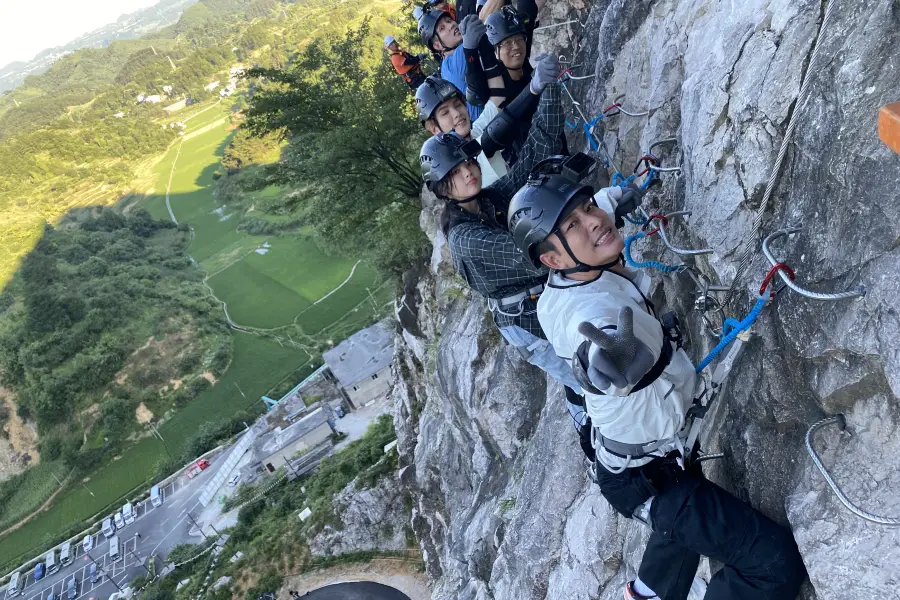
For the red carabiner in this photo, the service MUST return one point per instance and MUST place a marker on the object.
(610, 107)
(768, 278)
(662, 219)
(647, 159)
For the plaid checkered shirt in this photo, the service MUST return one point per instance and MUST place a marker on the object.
(480, 245)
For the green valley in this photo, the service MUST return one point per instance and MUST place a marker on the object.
(208, 280)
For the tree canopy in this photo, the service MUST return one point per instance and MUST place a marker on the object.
(353, 146)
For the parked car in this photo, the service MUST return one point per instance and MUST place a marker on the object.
(128, 513)
(38, 571)
(120, 522)
(156, 498)
(88, 543)
(109, 529)
(233, 481)
(94, 573)
(72, 588)
(339, 412)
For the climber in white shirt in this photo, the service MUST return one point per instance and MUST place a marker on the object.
(638, 386)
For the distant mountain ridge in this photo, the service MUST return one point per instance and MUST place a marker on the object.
(126, 27)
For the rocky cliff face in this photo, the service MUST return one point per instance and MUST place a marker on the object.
(375, 518)
(504, 508)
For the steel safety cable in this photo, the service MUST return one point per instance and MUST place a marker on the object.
(802, 98)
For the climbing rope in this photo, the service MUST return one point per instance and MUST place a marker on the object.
(776, 169)
(732, 328)
(841, 422)
(649, 264)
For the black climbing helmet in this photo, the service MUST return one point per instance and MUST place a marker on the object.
(428, 23)
(503, 24)
(432, 93)
(443, 153)
(551, 194)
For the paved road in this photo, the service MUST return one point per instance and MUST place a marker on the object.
(156, 531)
(361, 590)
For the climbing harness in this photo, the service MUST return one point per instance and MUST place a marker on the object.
(516, 302)
(841, 422)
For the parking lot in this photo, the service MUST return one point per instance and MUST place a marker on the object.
(119, 571)
(156, 530)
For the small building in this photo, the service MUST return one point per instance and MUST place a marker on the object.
(119, 115)
(277, 447)
(167, 89)
(154, 99)
(362, 364)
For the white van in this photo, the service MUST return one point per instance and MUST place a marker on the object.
(120, 522)
(109, 529)
(156, 498)
(65, 554)
(114, 548)
(51, 564)
(16, 585)
(128, 513)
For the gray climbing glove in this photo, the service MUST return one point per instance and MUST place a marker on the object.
(472, 30)
(546, 71)
(627, 201)
(616, 357)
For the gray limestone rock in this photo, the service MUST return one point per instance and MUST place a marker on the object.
(373, 518)
(503, 507)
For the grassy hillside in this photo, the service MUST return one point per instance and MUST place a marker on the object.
(131, 319)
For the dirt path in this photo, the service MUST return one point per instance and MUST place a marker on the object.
(398, 573)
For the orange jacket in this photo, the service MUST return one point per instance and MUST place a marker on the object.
(404, 62)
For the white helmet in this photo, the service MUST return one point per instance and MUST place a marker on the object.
(388, 40)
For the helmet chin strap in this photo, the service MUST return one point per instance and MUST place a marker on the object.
(581, 267)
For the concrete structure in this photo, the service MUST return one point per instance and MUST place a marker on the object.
(362, 364)
(211, 86)
(275, 448)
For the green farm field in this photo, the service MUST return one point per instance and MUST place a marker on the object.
(293, 274)
(257, 366)
(267, 289)
(261, 291)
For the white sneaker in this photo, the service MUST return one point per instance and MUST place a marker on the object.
(630, 594)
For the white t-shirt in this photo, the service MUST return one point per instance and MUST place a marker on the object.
(656, 412)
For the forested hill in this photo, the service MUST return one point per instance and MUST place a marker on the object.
(127, 27)
(76, 135)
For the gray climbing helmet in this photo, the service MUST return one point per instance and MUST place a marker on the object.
(538, 208)
(503, 24)
(432, 93)
(428, 23)
(443, 153)
(552, 192)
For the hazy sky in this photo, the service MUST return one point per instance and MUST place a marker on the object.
(29, 26)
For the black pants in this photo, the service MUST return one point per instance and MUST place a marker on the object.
(690, 517)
